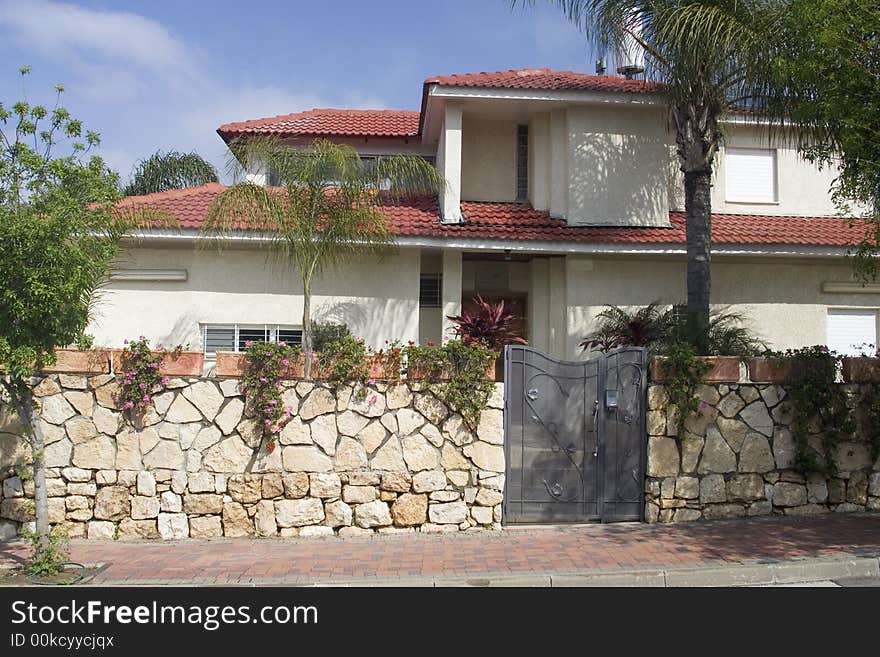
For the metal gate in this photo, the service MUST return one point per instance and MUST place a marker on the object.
(575, 438)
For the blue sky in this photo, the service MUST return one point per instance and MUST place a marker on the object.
(151, 74)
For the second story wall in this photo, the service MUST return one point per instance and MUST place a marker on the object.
(779, 181)
(618, 166)
(488, 160)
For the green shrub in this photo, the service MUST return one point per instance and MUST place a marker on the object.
(325, 333)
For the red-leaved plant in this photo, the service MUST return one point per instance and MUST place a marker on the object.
(492, 324)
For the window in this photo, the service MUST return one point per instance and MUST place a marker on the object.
(430, 290)
(852, 331)
(273, 179)
(522, 163)
(750, 175)
(233, 337)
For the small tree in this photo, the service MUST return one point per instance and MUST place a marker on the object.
(827, 68)
(58, 236)
(327, 208)
(163, 171)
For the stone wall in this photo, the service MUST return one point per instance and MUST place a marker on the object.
(737, 459)
(395, 460)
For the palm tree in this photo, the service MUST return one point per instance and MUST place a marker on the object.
(711, 56)
(327, 207)
(164, 171)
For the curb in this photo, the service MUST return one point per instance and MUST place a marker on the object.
(782, 572)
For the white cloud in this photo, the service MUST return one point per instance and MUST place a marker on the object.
(64, 30)
(162, 93)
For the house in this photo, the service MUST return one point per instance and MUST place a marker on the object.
(562, 196)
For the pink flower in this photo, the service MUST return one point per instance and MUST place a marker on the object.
(286, 362)
(371, 381)
(373, 400)
(282, 344)
(146, 398)
(142, 386)
(430, 343)
(359, 340)
(154, 366)
(248, 343)
(128, 404)
(165, 380)
(268, 422)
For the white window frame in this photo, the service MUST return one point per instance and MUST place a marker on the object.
(271, 330)
(859, 310)
(731, 196)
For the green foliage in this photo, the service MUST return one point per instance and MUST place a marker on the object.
(871, 405)
(468, 389)
(140, 380)
(826, 67)
(621, 327)
(729, 334)
(266, 365)
(426, 362)
(326, 209)
(48, 553)
(323, 333)
(682, 370)
(344, 360)
(661, 330)
(163, 171)
(819, 406)
(58, 233)
(457, 373)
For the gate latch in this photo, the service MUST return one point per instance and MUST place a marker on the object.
(610, 399)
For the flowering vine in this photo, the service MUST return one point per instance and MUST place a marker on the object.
(266, 364)
(140, 380)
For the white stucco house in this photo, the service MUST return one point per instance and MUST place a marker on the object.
(562, 196)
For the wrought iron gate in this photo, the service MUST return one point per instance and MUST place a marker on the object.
(575, 438)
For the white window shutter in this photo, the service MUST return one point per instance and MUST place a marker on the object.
(849, 331)
(750, 175)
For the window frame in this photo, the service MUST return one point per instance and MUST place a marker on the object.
(730, 197)
(521, 162)
(861, 310)
(439, 278)
(270, 331)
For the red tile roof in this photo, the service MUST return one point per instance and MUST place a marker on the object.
(545, 78)
(187, 206)
(330, 122)
(521, 223)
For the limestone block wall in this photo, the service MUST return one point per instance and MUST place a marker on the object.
(737, 459)
(394, 460)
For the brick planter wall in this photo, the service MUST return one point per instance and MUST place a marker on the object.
(396, 461)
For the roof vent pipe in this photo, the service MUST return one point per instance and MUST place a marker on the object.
(600, 66)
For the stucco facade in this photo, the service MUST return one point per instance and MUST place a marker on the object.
(599, 156)
(376, 297)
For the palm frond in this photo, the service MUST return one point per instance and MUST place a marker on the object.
(172, 170)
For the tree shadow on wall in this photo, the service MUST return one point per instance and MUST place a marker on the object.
(617, 180)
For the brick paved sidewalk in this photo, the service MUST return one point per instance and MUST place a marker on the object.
(512, 552)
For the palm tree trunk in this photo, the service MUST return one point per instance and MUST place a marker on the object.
(307, 328)
(24, 403)
(698, 212)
